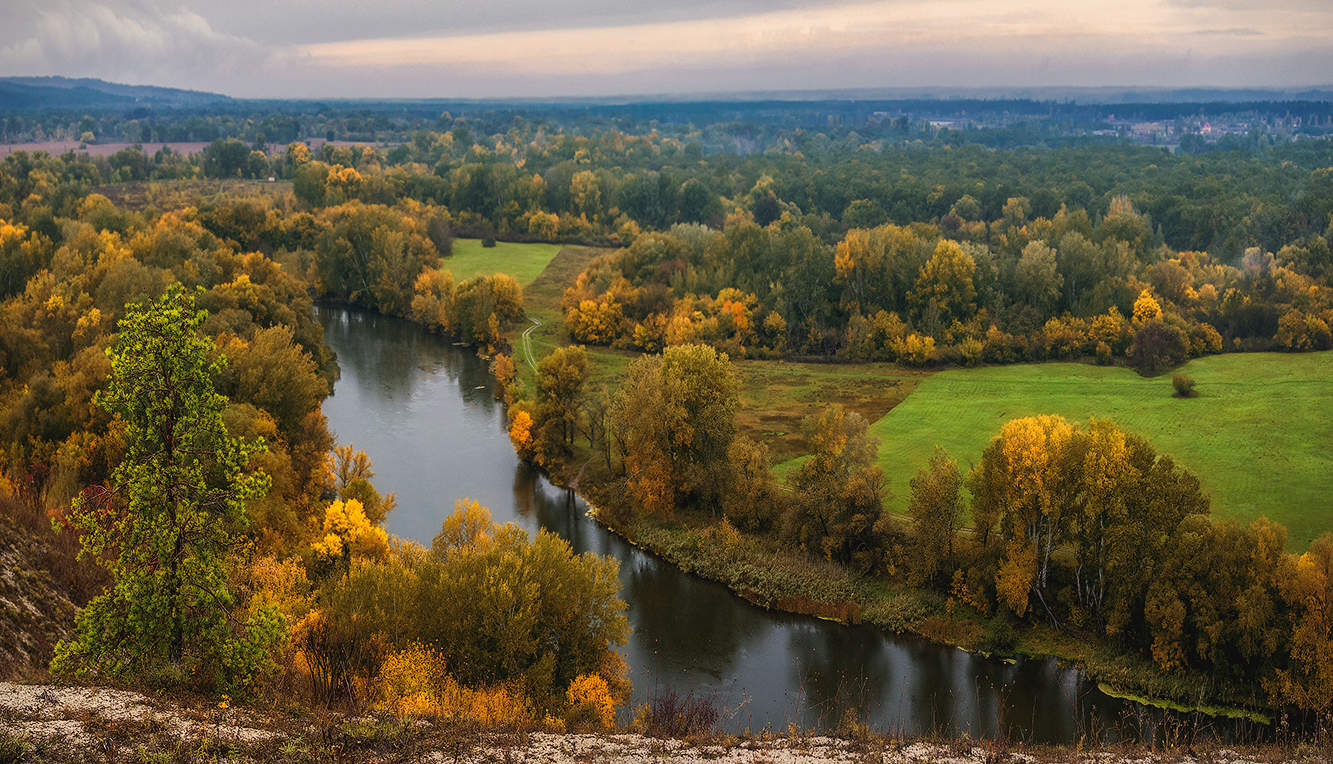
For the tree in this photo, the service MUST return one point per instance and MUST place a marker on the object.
(520, 434)
(226, 158)
(1307, 588)
(936, 508)
(174, 514)
(944, 290)
(1158, 346)
(308, 182)
(751, 493)
(1214, 602)
(839, 491)
(272, 372)
(1037, 280)
(1103, 495)
(1301, 331)
(351, 473)
(347, 531)
(864, 213)
(1130, 508)
(675, 418)
(560, 379)
(554, 626)
(1022, 477)
(877, 267)
(586, 193)
(1146, 308)
(697, 203)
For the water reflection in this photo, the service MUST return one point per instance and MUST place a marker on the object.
(424, 412)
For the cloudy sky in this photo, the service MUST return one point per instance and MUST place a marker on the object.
(506, 48)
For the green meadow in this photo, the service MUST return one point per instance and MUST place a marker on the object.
(524, 262)
(1259, 434)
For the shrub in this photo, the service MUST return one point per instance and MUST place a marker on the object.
(1302, 331)
(670, 714)
(488, 242)
(590, 703)
(916, 349)
(414, 682)
(540, 636)
(1000, 636)
(13, 748)
(410, 681)
(1158, 346)
(1103, 354)
(971, 350)
(1184, 385)
(339, 656)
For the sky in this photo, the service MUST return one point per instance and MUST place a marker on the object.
(552, 48)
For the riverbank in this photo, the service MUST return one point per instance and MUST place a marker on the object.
(759, 570)
(51, 723)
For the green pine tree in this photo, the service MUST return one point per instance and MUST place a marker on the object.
(172, 517)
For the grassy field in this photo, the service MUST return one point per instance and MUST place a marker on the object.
(541, 301)
(524, 262)
(1259, 435)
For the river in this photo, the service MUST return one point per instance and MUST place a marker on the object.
(425, 413)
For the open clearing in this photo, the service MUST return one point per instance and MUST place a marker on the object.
(1259, 435)
(777, 397)
(524, 262)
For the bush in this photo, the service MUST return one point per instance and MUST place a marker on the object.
(414, 683)
(1184, 385)
(590, 703)
(972, 351)
(1158, 346)
(488, 242)
(1000, 636)
(1103, 354)
(670, 714)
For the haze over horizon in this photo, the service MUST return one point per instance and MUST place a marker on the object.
(523, 48)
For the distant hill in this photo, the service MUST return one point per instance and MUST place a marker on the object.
(1035, 94)
(32, 93)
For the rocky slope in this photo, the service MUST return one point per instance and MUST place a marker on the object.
(34, 613)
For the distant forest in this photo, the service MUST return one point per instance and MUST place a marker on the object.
(42, 109)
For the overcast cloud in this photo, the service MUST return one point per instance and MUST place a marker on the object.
(505, 48)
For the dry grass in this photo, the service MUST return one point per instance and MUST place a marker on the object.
(173, 194)
(777, 397)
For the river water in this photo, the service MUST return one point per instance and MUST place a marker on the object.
(425, 413)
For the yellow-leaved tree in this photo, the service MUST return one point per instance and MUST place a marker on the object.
(520, 434)
(1146, 308)
(347, 532)
(1023, 477)
(1308, 589)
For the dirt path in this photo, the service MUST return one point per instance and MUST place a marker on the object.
(527, 341)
